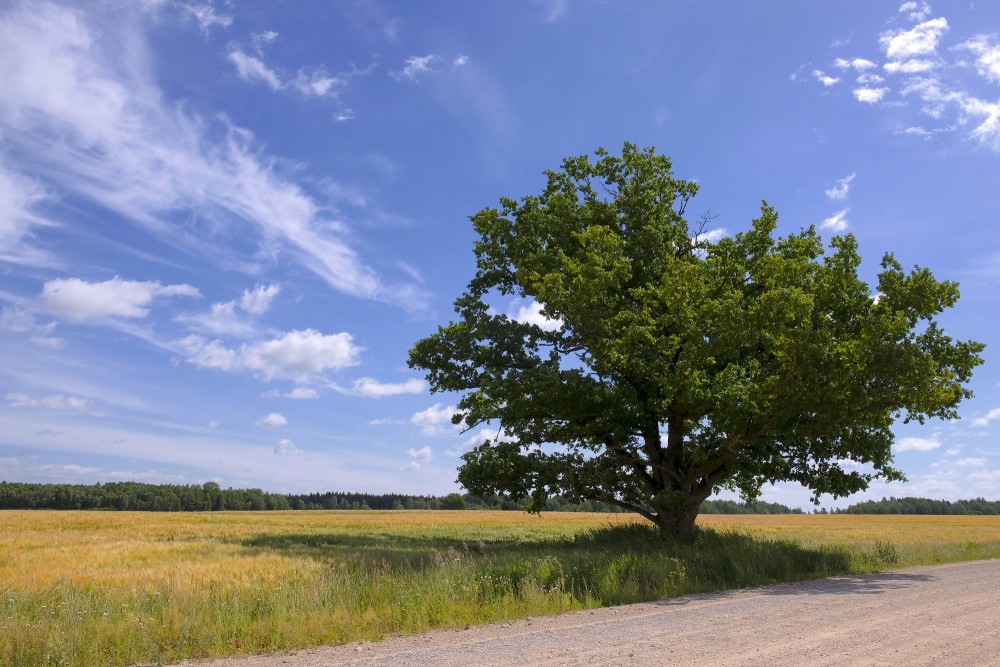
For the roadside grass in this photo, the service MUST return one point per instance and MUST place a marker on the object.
(101, 588)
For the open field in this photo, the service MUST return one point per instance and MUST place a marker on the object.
(101, 588)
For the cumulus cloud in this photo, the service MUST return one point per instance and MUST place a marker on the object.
(840, 190)
(372, 388)
(934, 76)
(870, 95)
(918, 444)
(532, 314)
(101, 129)
(435, 420)
(915, 11)
(985, 420)
(921, 40)
(223, 319)
(987, 52)
(859, 64)
(825, 78)
(415, 67)
(258, 300)
(418, 458)
(214, 424)
(296, 354)
(836, 222)
(286, 447)
(302, 393)
(272, 419)
(978, 462)
(79, 301)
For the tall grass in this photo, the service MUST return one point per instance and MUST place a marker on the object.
(89, 588)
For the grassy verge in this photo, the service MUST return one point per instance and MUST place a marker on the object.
(87, 588)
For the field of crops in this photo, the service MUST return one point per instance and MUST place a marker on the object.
(103, 588)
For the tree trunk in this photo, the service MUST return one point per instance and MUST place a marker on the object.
(676, 517)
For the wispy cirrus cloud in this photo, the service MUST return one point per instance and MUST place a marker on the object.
(100, 128)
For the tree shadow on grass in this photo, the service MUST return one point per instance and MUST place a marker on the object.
(613, 565)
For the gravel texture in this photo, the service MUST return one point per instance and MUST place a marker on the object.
(939, 615)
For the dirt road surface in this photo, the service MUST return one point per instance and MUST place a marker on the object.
(940, 615)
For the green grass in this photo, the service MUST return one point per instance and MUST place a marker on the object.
(120, 589)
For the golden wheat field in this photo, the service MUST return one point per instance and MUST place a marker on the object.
(105, 588)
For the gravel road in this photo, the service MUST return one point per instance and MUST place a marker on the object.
(940, 615)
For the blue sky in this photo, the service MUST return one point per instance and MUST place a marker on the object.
(222, 226)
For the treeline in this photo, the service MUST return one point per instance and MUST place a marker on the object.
(137, 496)
(752, 507)
(923, 506)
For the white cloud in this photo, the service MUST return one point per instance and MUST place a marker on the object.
(23, 320)
(206, 16)
(57, 402)
(20, 197)
(836, 222)
(258, 300)
(915, 11)
(918, 444)
(824, 78)
(859, 64)
(532, 314)
(912, 66)
(221, 320)
(80, 301)
(88, 113)
(250, 68)
(316, 84)
(344, 115)
(300, 353)
(869, 78)
(921, 40)
(374, 389)
(915, 131)
(870, 95)
(985, 420)
(415, 67)
(840, 190)
(302, 393)
(297, 354)
(214, 424)
(272, 419)
(432, 421)
(260, 40)
(712, 235)
(460, 61)
(978, 462)
(286, 447)
(418, 458)
(987, 51)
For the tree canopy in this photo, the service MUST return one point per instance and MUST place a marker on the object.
(663, 364)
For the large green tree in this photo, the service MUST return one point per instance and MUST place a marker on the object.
(669, 365)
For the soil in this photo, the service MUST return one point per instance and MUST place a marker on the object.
(938, 615)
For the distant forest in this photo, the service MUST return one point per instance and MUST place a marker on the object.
(136, 496)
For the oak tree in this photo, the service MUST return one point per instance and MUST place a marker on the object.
(665, 364)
